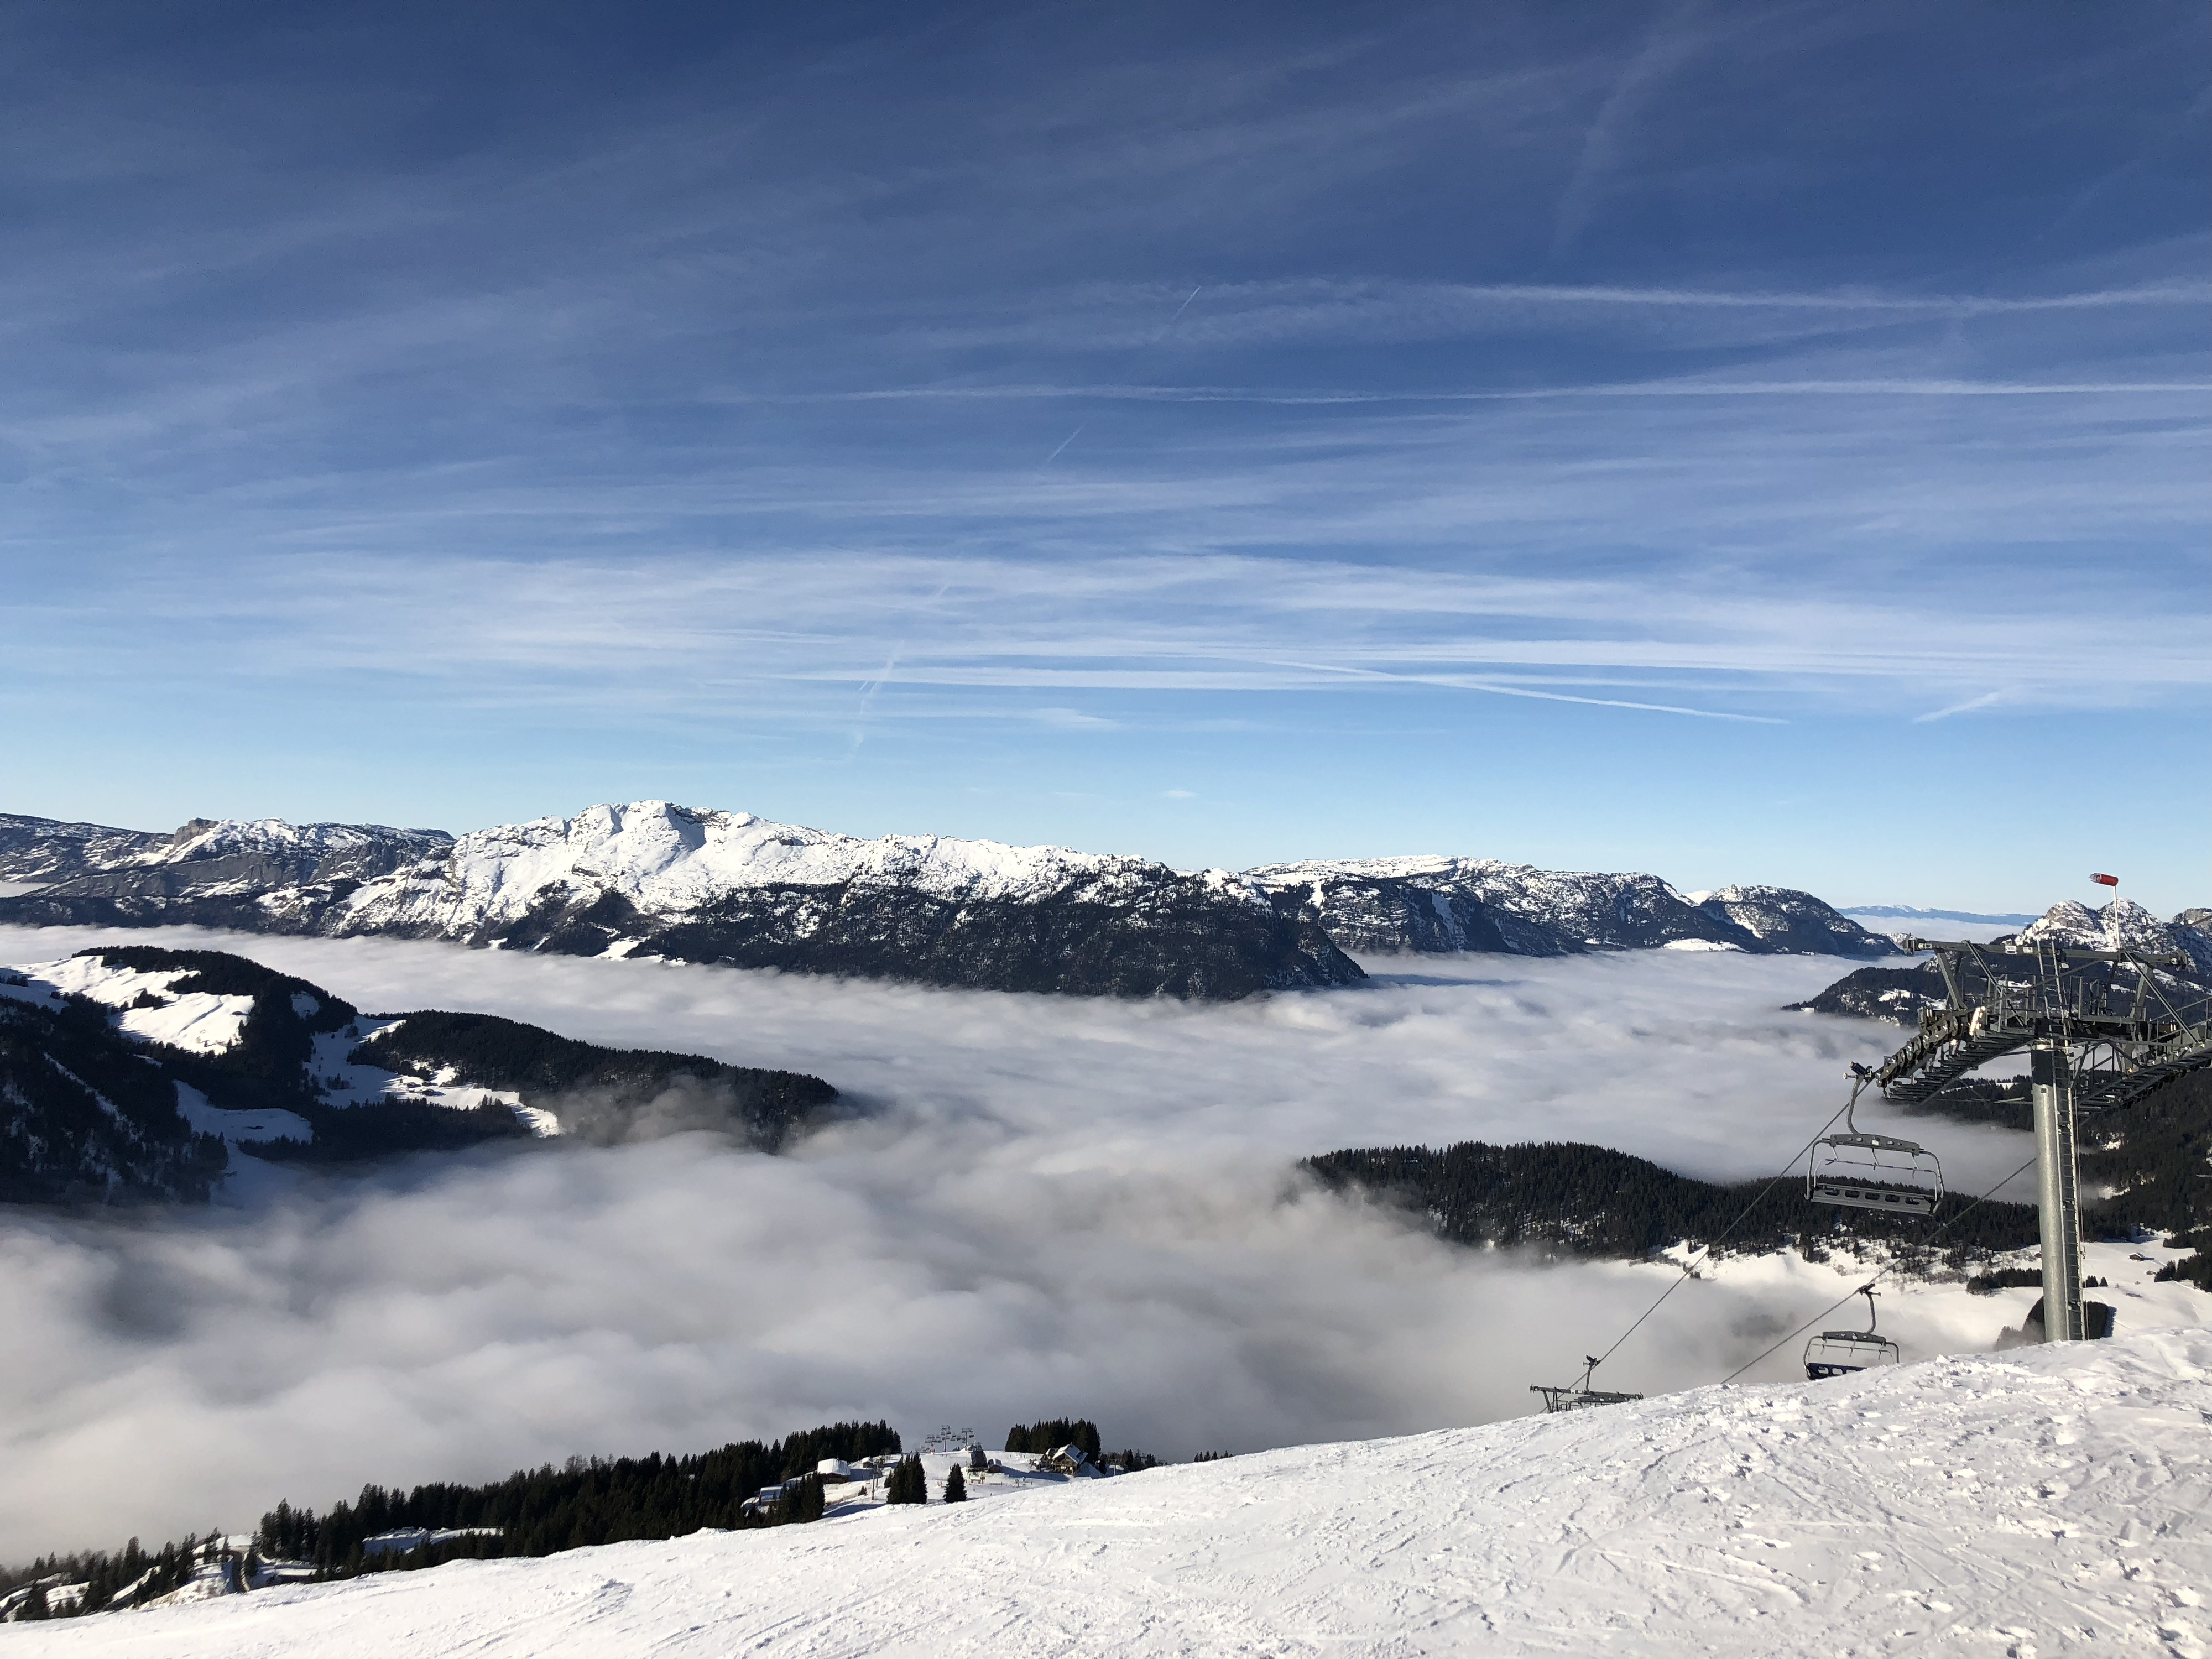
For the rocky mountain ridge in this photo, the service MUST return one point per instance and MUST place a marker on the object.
(207, 856)
(1448, 904)
(654, 878)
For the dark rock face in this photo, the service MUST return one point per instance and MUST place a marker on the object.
(1442, 905)
(1171, 937)
(47, 849)
(260, 877)
(243, 874)
(1383, 917)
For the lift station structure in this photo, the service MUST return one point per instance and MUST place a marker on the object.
(2102, 1029)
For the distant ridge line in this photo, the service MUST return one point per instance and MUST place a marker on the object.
(1914, 913)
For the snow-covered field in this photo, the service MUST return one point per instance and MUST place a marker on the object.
(2044, 1502)
(197, 1020)
(1053, 1206)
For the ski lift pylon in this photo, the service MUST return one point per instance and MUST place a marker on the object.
(1838, 1353)
(1858, 1171)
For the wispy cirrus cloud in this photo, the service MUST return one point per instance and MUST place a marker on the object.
(1987, 700)
(1502, 368)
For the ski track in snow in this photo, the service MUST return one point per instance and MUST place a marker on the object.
(2043, 1503)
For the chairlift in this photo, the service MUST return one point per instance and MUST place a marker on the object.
(1873, 1172)
(1580, 1395)
(1838, 1353)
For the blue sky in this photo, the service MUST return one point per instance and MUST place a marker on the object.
(1744, 442)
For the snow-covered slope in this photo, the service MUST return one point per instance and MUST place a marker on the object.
(1444, 904)
(2042, 1502)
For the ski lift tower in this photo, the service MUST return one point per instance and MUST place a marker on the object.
(2100, 1031)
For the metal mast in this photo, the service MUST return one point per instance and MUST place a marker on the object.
(2057, 1184)
(2091, 1044)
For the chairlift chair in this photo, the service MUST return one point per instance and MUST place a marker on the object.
(1838, 1353)
(1580, 1395)
(1859, 1171)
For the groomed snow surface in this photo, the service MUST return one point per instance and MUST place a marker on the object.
(2044, 1501)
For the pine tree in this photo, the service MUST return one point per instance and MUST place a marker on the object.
(955, 1487)
(908, 1484)
(802, 1499)
(34, 1605)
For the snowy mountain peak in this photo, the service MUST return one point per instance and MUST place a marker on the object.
(2121, 925)
(663, 858)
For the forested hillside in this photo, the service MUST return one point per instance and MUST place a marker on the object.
(601, 1094)
(1568, 1199)
(82, 1120)
(138, 1073)
(539, 1511)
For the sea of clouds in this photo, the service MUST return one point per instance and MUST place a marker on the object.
(1040, 1205)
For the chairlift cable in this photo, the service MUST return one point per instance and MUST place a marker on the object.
(1727, 1232)
(1884, 1273)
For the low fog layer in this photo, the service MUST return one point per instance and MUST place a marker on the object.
(1048, 1205)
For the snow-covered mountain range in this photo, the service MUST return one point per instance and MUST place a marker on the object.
(2046, 1500)
(1438, 904)
(651, 878)
(206, 857)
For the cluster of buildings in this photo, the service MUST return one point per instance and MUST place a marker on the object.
(849, 1487)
